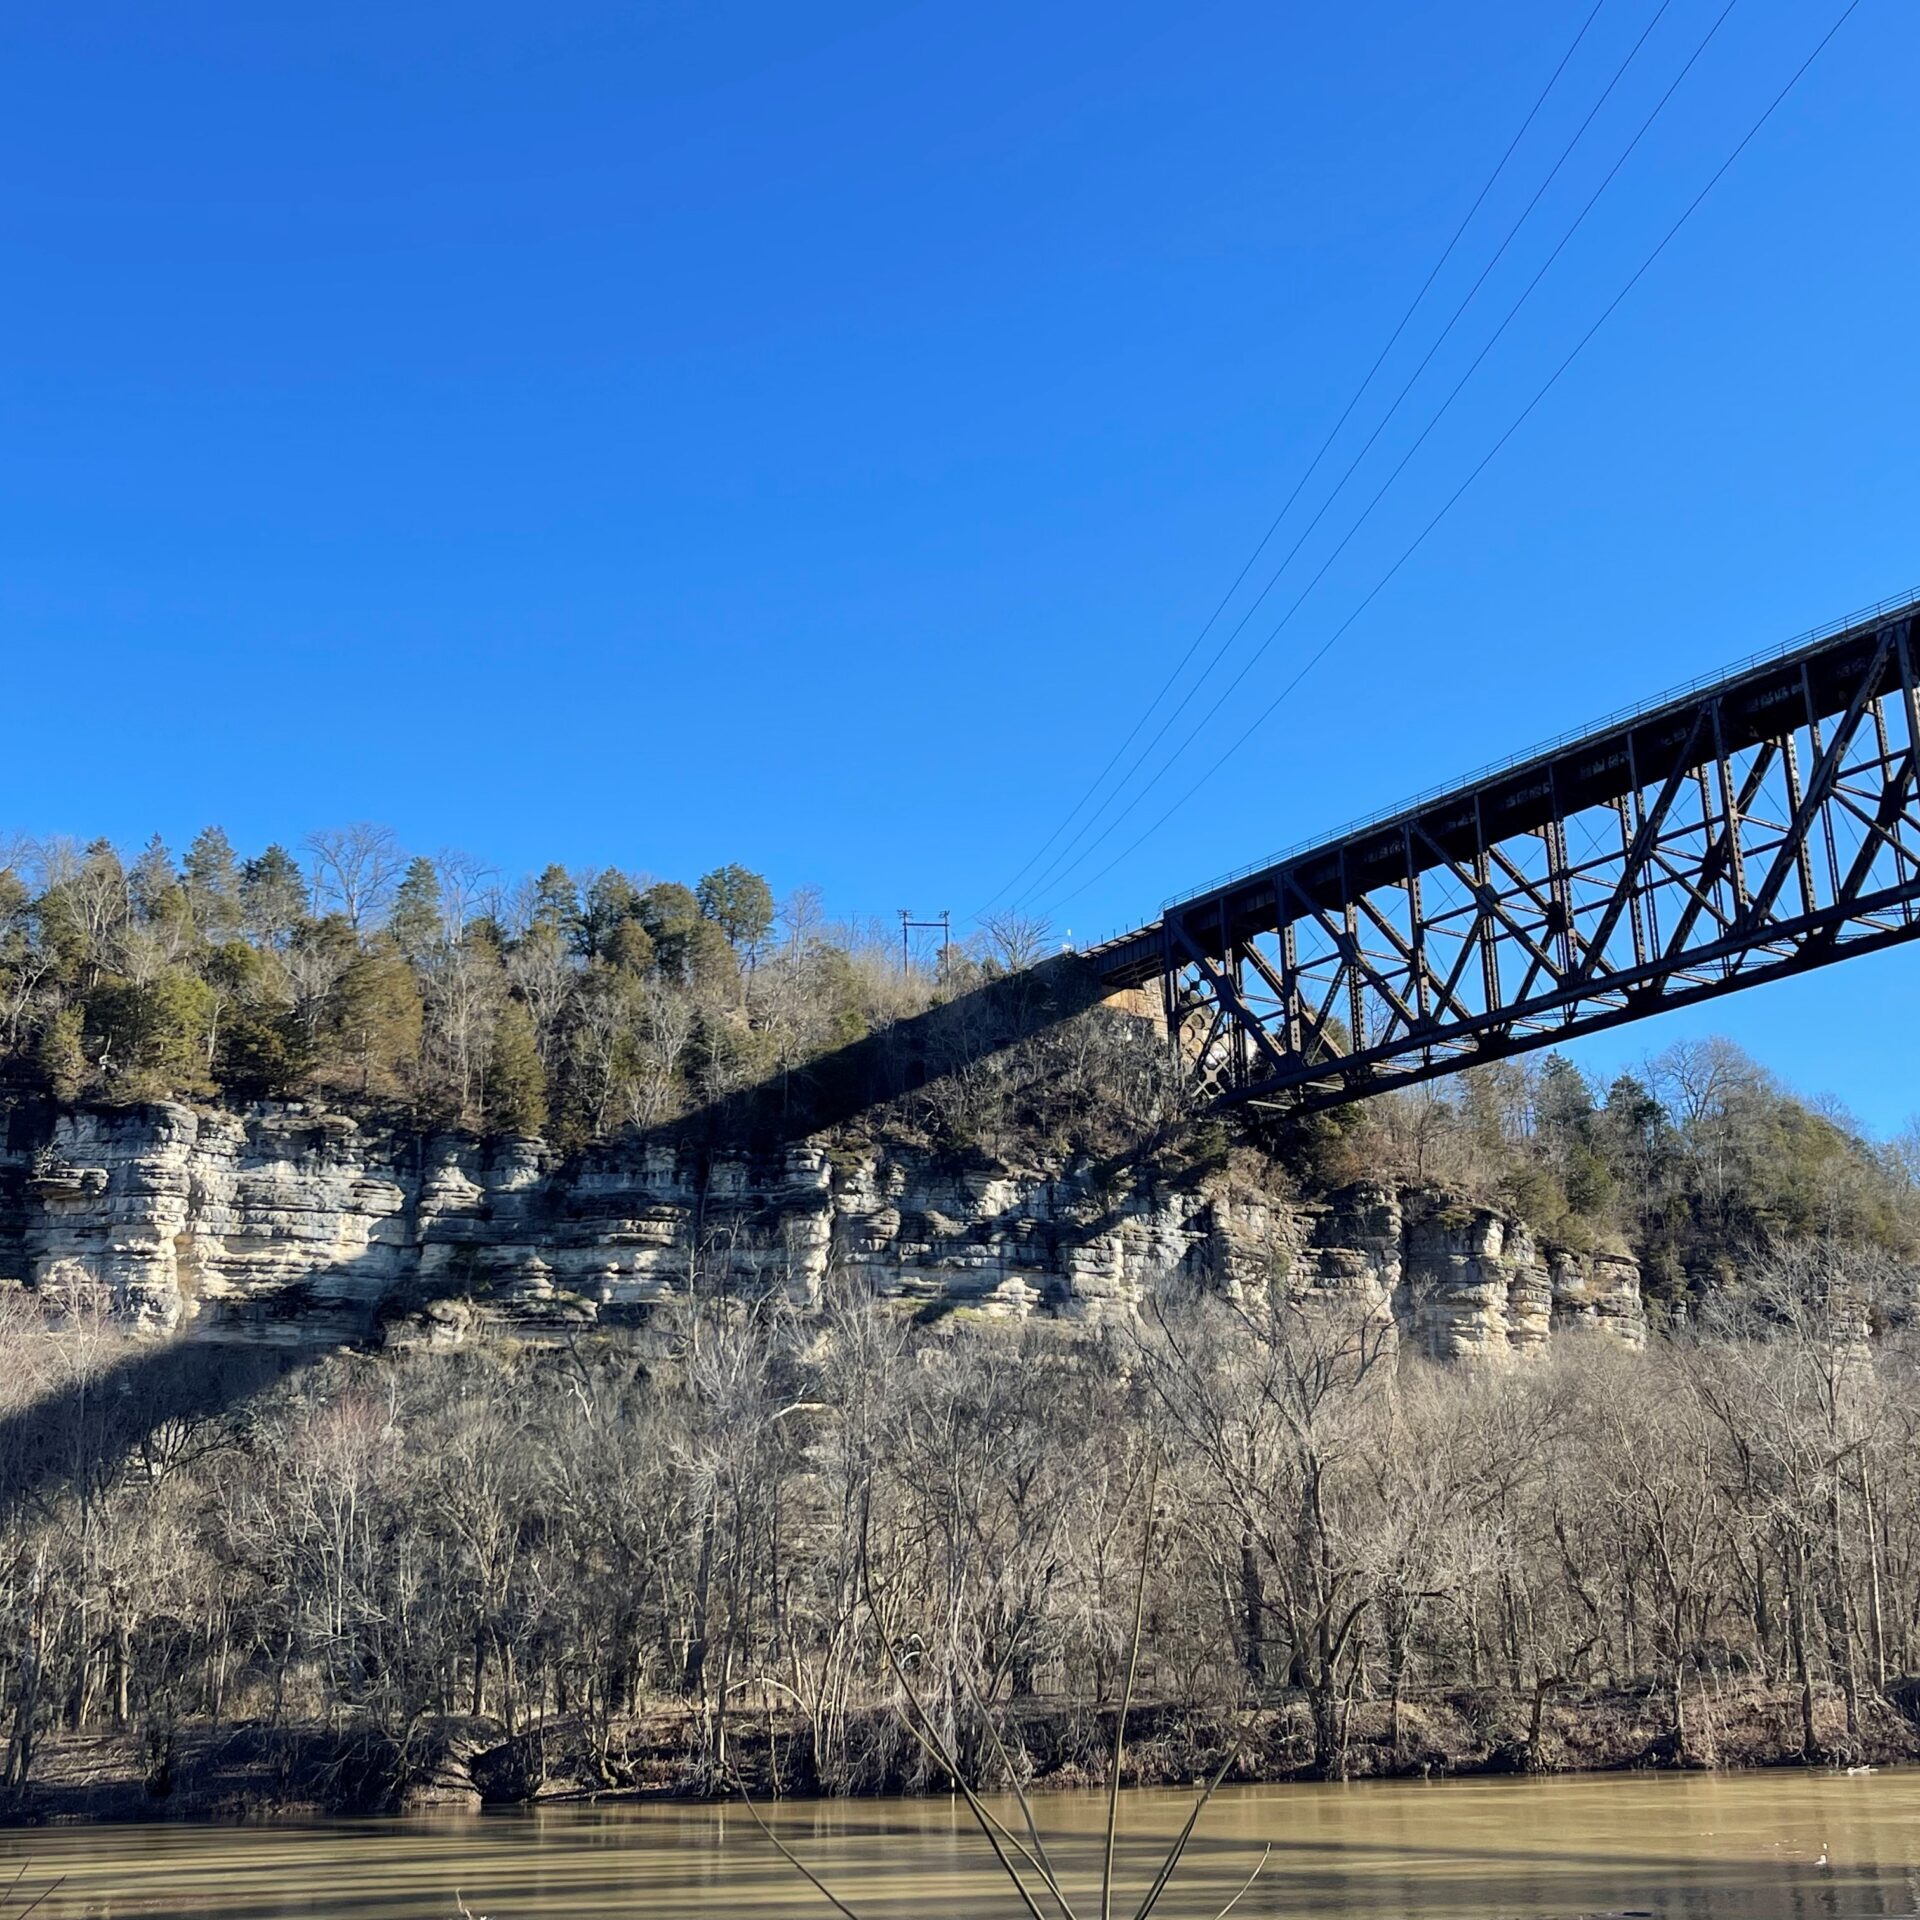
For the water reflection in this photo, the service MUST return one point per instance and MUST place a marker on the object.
(1776, 1846)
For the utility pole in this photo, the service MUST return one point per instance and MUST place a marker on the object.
(909, 926)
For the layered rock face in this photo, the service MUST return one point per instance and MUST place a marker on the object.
(290, 1225)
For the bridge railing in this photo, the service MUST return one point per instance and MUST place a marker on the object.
(1639, 710)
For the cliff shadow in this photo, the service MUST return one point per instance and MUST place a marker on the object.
(150, 1406)
(155, 1401)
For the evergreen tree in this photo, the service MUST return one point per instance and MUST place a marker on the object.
(611, 900)
(377, 1021)
(212, 879)
(1563, 1103)
(258, 1050)
(631, 949)
(699, 957)
(668, 908)
(516, 1095)
(152, 880)
(556, 903)
(273, 897)
(688, 948)
(739, 903)
(483, 930)
(152, 1037)
(63, 1054)
(416, 916)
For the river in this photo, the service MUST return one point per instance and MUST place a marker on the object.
(1727, 1847)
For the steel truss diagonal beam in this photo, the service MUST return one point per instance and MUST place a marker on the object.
(1739, 832)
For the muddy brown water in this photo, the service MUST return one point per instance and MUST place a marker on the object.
(1736, 1847)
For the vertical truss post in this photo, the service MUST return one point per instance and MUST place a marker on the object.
(1483, 898)
(1909, 697)
(1292, 1027)
(1416, 934)
(1560, 887)
(1632, 811)
(1356, 983)
(1732, 811)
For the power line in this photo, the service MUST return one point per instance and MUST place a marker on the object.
(1061, 865)
(1327, 645)
(1313, 466)
(1406, 458)
(1339, 487)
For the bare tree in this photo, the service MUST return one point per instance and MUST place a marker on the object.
(354, 870)
(1016, 940)
(803, 914)
(664, 1024)
(468, 887)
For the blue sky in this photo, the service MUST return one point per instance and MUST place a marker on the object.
(671, 434)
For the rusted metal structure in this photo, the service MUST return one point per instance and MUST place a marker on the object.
(1735, 831)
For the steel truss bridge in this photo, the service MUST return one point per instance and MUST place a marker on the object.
(1738, 830)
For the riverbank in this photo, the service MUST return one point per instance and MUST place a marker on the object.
(258, 1773)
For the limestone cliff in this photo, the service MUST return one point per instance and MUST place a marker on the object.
(287, 1224)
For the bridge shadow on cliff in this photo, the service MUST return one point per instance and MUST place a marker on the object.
(161, 1400)
(898, 1060)
(914, 1056)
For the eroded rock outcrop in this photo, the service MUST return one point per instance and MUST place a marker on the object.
(285, 1224)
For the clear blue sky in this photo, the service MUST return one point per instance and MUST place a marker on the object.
(668, 434)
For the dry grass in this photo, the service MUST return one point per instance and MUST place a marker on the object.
(17, 1899)
(1023, 1857)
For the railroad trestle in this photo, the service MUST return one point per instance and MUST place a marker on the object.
(1757, 826)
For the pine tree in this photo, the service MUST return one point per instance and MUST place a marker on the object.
(687, 947)
(152, 880)
(415, 918)
(699, 956)
(377, 1021)
(63, 1054)
(611, 900)
(556, 903)
(273, 897)
(740, 903)
(667, 908)
(212, 878)
(516, 1096)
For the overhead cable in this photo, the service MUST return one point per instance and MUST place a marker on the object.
(1486, 460)
(1353, 465)
(1406, 458)
(1313, 465)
